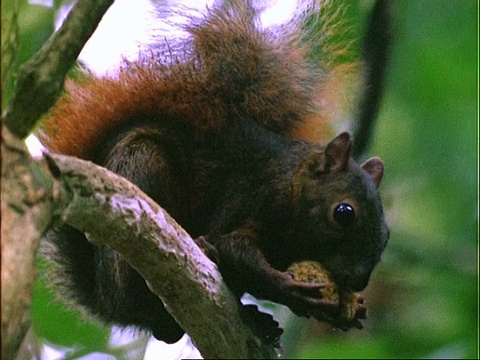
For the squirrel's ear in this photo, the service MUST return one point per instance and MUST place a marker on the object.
(374, 167)
(337, 153)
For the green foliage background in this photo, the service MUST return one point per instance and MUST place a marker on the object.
(423, 298)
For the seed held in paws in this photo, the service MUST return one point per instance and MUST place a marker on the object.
(350, 304)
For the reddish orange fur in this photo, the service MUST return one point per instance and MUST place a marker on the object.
(88, 110)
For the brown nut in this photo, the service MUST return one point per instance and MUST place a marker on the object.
(350, 304)
(313, 272)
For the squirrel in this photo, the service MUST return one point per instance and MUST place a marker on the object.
(217, 129)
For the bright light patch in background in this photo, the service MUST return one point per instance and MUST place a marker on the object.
(126, 30)
(34, 146)
(279, 12)
(120, 33)
(129, 26)
(46, 3)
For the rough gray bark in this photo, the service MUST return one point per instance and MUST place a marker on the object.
(41, 78)
(26, 207)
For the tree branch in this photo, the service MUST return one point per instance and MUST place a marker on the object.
(376, 49)
(10, 45)
(41, 78)
(26, 186)
(26, 207)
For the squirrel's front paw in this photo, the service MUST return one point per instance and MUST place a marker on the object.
(263, 325)
(207, 248)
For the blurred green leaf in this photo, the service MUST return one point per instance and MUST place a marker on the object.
(62, 326)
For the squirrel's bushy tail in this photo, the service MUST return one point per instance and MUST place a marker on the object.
(256, 74)
(280, 76)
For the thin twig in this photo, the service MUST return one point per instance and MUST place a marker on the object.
(376, 49)
(41, 78)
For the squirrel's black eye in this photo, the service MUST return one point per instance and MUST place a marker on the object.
(344, 215)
